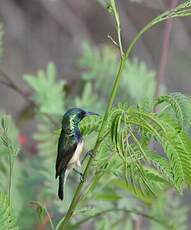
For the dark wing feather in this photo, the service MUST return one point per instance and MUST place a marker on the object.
(66, 156)
(66, 149)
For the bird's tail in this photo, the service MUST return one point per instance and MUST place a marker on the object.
(61, 186)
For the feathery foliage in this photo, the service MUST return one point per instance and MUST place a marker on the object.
(127, 130)
(7, 221)
(101, 66)
(180, 104)
(8, 136)
(47, 90)
(89, 98)
(10, 167)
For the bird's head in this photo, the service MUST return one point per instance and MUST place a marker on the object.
(75, 115)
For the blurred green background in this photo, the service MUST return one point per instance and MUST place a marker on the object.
(72, 34)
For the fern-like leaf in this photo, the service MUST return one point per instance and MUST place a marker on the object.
(180, 104)
(101, 66)
(8, 135)
(90, 124)
(48, 93)
(175, 168)
(7, 221)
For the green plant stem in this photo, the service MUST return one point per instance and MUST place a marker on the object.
(10, 177)
(112, 97)
(37, 204)
(118, 25)
(50, 219)
(178, 12)
(128, 211)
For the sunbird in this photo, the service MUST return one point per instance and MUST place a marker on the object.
(70, 145)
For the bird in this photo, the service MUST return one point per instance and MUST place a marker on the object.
(70, 145)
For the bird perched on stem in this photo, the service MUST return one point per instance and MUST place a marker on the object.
(70, 145)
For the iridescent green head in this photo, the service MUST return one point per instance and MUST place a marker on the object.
(73, 117)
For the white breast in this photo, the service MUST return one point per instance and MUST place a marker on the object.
(75, 160)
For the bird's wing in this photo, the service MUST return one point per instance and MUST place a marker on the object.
(65, 153)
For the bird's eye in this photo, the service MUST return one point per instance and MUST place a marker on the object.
(83, 113)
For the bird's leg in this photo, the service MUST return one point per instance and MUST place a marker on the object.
(79, 173)
(89, 153)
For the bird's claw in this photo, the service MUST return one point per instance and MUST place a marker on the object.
(82, 179)
(89, 153)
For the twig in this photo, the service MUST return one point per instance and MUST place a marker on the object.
(48, 216)
(11, 84)
(164, 51)
(10, 176)
(118, 26)
(114, 42)
(128, 211)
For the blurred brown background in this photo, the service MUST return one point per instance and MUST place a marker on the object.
(39, 31)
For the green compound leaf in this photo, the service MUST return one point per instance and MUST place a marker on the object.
(7, 220)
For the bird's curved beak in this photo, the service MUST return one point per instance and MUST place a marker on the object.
(91, 113)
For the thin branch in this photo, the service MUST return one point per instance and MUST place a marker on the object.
(165, 50)
(49, 218)
(10, 176)
(11, 84)
(4, 83)
(118, 26)
(37, 204)
(113, 41)
(128, 211)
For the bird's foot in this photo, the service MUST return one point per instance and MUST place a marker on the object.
(80, 174)
(82, 179)
(89, 153)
